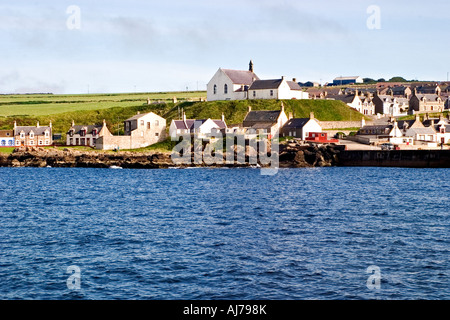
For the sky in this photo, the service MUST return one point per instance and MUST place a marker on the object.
(78, 46)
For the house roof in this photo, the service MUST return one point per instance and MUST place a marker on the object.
(425, 130)
(294, 85)
(6, 133)
(191, 123)
(347, 98)
(265, 84)
(39, 131)
(430, 97)
(137, 116)
(296, 123)
(347, 78)
(262, 116)
(241, 76)
(89, 128)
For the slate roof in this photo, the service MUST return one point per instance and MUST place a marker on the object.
(138, 116)
(296, 123)
(262, 116)
(265, 84)
(38, 131)
(294, 85)
(426, 130)
(241, 77)
(89, 128)
(347, 98)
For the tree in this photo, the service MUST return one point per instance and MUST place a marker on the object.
(397, 79)
(381, 80)
(368, 80)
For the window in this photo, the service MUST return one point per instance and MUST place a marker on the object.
(11, 142)
(77, 141)
(17, 143)
(156, 134)
(225, 89)
(271, 93)
(70, 141)
(254, 93)
(40, 142)
(94, 132)
(82, 133)
(3, 142)
(142, 123)
(47, 142)
(31, 135)
(215, 89)
(46, 133)
(148, 125)
(83, 141)
(32, 142)
(22, 135)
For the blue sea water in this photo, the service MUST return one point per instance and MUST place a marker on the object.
(224, 233)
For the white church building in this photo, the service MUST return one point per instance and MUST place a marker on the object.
(227, 84)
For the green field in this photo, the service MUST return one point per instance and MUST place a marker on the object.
(46, 104)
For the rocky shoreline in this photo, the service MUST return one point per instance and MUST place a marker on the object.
(291, 155)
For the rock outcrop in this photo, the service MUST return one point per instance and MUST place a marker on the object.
(292, 154)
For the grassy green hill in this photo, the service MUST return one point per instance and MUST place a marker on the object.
(90, 109)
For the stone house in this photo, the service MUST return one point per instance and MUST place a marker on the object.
(83, 135)
(38, 136)
(390, 105)
(141, 130)
(7, 138)
(300, 127)
(423, 103)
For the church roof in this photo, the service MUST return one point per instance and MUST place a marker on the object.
(241, 77)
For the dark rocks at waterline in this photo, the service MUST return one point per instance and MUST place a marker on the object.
(290, 155)
(298, 156)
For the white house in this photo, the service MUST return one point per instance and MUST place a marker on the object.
(227, 84)
(276, 89)
(203, 128)
(300, 127)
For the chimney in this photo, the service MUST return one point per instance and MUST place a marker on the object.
(418, 117)
(184, 116)
(311, 115)
(223, 117)
(104, 123)
(73, 123)
(363, 122)
(15, 124)
(250, 66)
(282, 77)
(37, 125)
(282, 107)
(290, 115)
(294, 79)
(249, 108)
(50, 125)
(138, 112)
(432, 123)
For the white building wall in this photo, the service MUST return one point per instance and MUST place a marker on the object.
(311, 126)
(220, 79)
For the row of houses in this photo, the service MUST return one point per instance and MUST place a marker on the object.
(430, 132)
(393, 100)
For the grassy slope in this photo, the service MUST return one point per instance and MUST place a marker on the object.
(119, 107)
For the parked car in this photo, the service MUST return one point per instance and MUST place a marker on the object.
(387, 146)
